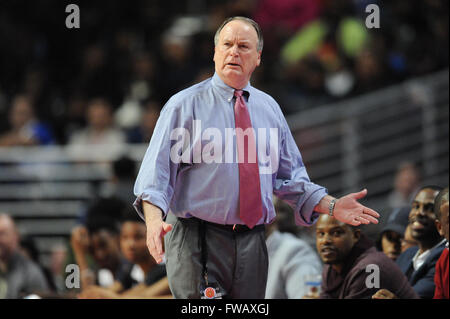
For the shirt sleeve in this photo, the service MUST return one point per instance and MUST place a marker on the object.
(292, 182)
(441, 276)
(157, 175)
(438, 291)
(35, 281)
(425, 286)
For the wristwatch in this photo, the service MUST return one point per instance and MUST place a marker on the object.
(331, 207)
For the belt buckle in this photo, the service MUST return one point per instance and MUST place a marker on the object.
(239, 228)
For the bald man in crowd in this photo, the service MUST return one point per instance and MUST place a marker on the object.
(19, 276)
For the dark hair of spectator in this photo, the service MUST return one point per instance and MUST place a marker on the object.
(95, 224)
(124, 168)
(105, 214)
(433, 187)
(285, 218)
(130, 215)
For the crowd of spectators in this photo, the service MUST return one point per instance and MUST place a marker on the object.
(329, 260)
(134, 57)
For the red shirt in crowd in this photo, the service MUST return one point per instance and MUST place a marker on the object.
(441, 276)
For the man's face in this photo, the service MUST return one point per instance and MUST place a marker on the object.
(442, 224)
(422, 217)
(98, 116)
(21, 113)
(105, 249)
(406, 181)
(133, 241)
(235, 54)
(391, 244)
(334, 240)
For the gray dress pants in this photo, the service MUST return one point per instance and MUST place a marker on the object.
(237, 262)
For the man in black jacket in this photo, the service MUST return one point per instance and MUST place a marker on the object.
(418, 263)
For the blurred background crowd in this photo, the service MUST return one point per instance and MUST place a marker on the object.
(132, 58)
(106, 82)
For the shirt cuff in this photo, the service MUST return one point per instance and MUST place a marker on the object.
(304, 213)
(154, 198)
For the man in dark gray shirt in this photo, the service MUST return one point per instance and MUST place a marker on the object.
(19, 276)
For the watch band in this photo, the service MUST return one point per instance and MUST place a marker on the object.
(331, 207)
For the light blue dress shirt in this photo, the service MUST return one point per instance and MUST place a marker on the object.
(191, 167)
(291, 259)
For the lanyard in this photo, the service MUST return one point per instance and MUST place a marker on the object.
(204, 250)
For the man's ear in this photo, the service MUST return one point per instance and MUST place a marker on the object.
(356, 234)
(439, 227)
(258, 62)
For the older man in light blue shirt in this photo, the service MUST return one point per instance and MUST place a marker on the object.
(210, 190)
(191, 170)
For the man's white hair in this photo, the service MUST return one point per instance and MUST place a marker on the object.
(247, 20)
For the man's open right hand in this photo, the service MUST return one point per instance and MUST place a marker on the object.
(156, 230)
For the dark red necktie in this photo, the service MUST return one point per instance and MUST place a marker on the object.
(250, 203)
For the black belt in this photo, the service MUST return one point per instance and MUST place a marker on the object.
(236, 228)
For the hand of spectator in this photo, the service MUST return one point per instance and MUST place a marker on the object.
(348, 210)
(80, 240)
(384, 294)
(16, 139)
(309, 296)
(96, 292)
(156, 230)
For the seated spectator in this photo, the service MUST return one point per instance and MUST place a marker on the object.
(291, 259)
(407, 241)
(25, 129)
(441, 278)
(30, 250)
(144, 278)
(141, 86)
(143, 133)
(406, 184)
(99, 131)
(19, 275)
(418, 263)
(58, 256)
(133, 244)
(121, 183)
(347, 253)
(390, 238)
(98, 241)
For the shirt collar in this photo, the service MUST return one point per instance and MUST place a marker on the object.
(227, 91)
(418, 260)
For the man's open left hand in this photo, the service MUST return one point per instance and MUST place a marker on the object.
(348, 210)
